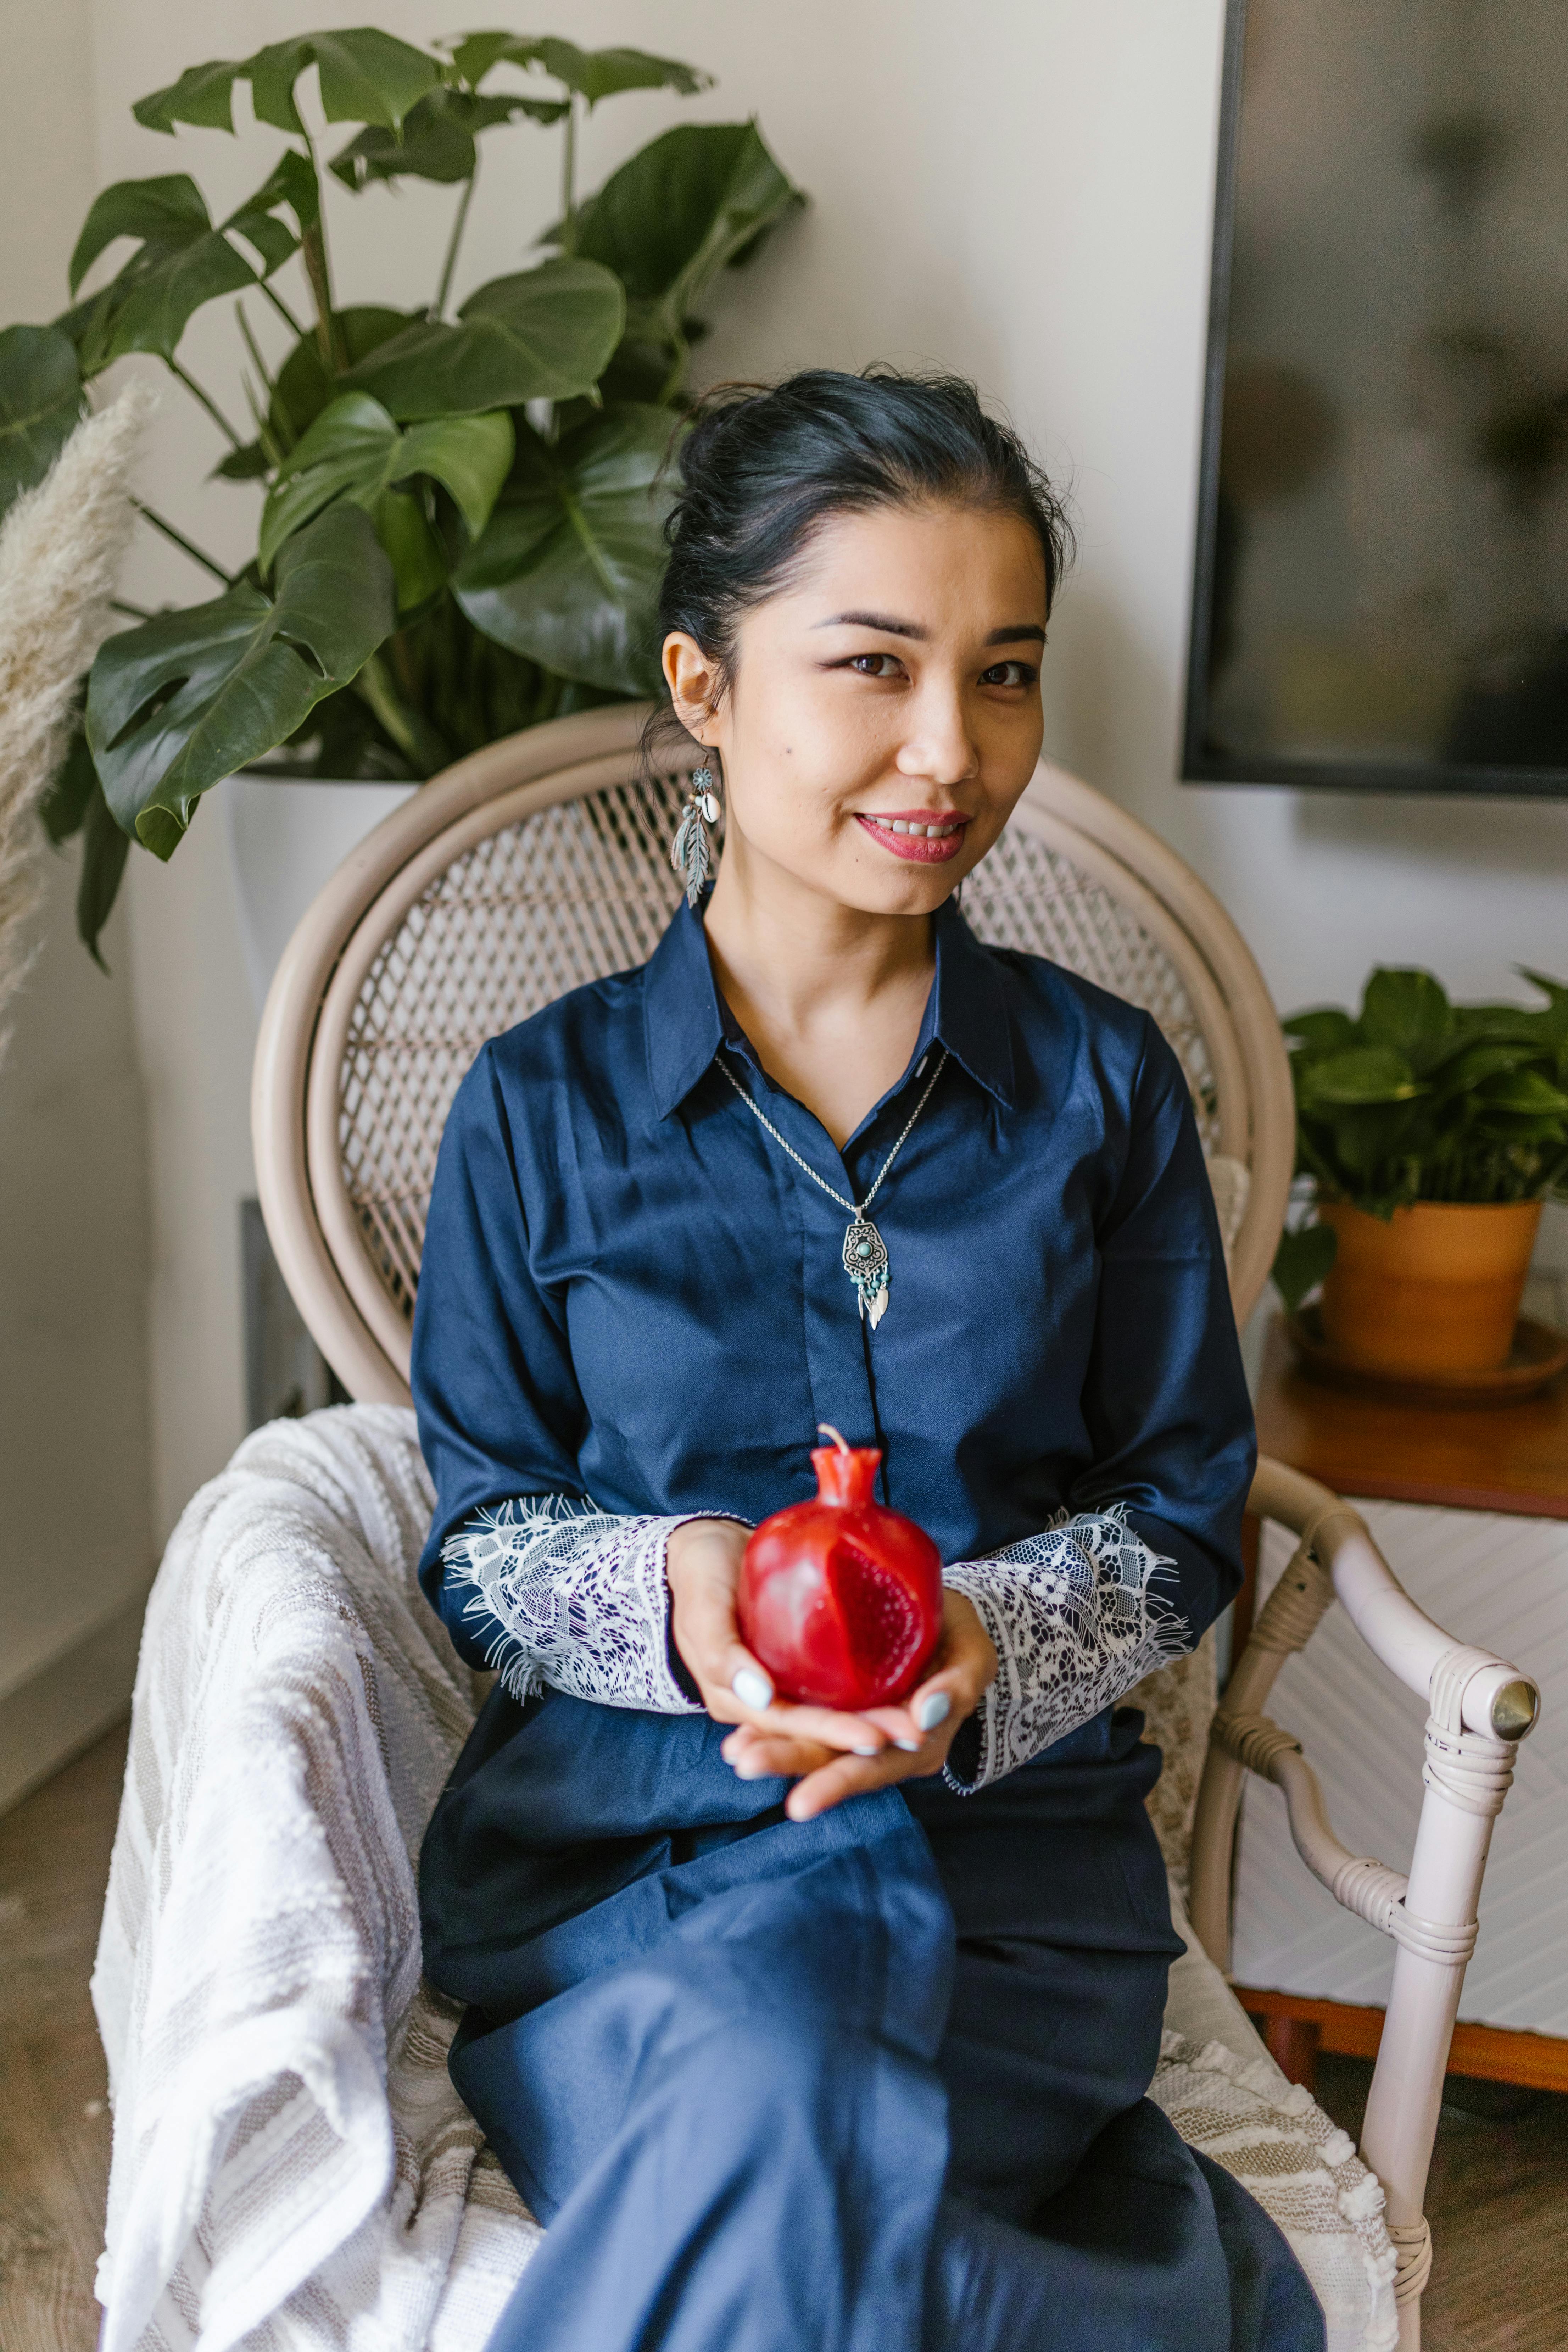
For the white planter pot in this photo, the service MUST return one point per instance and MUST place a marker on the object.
(287, 835)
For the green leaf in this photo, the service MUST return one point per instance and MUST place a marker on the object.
(1301, 1261)
(355, 450)
(65, 802)
(1365, 1074)
(151, 304)
(543, 334)
(568, 570)
(1322, 1032)
(1407, 1010)
(182, 701)
(369, 77)
(698, 197)
(169, 213)
(593, 74)
(40, 403)
(274, 241)
(1461, 1073)
(1556, 1014)
(419, 566)
(1526, 1092)
(104, 850)
(341, 738)
(203, 95)
(438, 141)
(180, 262)
(1494, 1024)
(1370, 1137)
(290, 182)
(304, 387)
(1473, 1107)
(365, 76)
(245, 465)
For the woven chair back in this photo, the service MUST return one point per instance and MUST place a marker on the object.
(542, 862)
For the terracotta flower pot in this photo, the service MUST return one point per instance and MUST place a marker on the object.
(1436, 1289)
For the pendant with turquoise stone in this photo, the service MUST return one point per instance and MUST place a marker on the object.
(866, 1263)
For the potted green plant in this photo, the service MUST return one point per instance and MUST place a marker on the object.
(1428, 1134)
(462, 502)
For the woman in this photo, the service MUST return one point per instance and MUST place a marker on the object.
(809, 2031)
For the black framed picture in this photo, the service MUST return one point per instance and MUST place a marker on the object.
(1381, 590)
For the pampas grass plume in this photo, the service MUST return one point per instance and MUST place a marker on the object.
(60, 549)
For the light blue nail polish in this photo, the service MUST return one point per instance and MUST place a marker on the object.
(867, 1751)
(753, 1689)
(909, 1746)
(933, 1709)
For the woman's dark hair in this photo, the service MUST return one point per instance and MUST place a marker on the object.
(763, 467)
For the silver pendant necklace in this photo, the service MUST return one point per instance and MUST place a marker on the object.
(865, 1253)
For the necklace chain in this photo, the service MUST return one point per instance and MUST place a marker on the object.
(806, 1165)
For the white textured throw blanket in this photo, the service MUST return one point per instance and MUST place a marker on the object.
(278, 2178)
(292, 2170)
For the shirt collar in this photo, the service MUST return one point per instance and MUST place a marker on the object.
(684, 1020)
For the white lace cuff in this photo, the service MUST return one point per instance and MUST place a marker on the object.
(577, 1598)
(1075, 1623)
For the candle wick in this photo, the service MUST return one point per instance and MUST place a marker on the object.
(825, 1429)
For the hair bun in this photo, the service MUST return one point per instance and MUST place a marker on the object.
(719, 409)
(764, 466)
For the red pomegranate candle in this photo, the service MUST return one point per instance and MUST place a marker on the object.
(839, 1598)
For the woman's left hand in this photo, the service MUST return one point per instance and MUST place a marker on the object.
(918, 1733)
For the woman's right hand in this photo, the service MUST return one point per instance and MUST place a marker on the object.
(702, 1569)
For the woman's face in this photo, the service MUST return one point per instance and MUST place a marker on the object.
(883, 714)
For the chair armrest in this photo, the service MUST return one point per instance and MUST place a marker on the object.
(1482, 1707)
(1335, 1558)
(1496, 1698)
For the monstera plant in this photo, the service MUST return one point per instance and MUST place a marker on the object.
(459, 526)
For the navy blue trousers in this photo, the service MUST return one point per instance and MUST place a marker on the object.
(868, 2084)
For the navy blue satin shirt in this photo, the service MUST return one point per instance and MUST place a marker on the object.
(631, 1295)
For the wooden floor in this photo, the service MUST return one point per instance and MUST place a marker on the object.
(1498, 2205)
(54, 2114)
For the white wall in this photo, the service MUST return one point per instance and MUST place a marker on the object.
(76, 1539)
(1023, 192)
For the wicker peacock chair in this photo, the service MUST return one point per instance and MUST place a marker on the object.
(540, 863)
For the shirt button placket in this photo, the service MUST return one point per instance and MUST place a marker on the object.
(835, 1346)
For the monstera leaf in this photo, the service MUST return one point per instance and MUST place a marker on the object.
(74, 804)
(364, 76)
(181, 260)
(590, 74)
(666, 221)
(104, 850)
(40, 401)
(302, 386)
(355, 450)
(182, 701)
(543, 334)
(436, 141)
(567, 571)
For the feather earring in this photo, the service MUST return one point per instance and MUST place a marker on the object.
(691, 851)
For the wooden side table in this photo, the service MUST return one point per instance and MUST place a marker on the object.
(1470, 1505)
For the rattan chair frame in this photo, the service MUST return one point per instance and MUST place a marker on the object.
(363, 1331)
